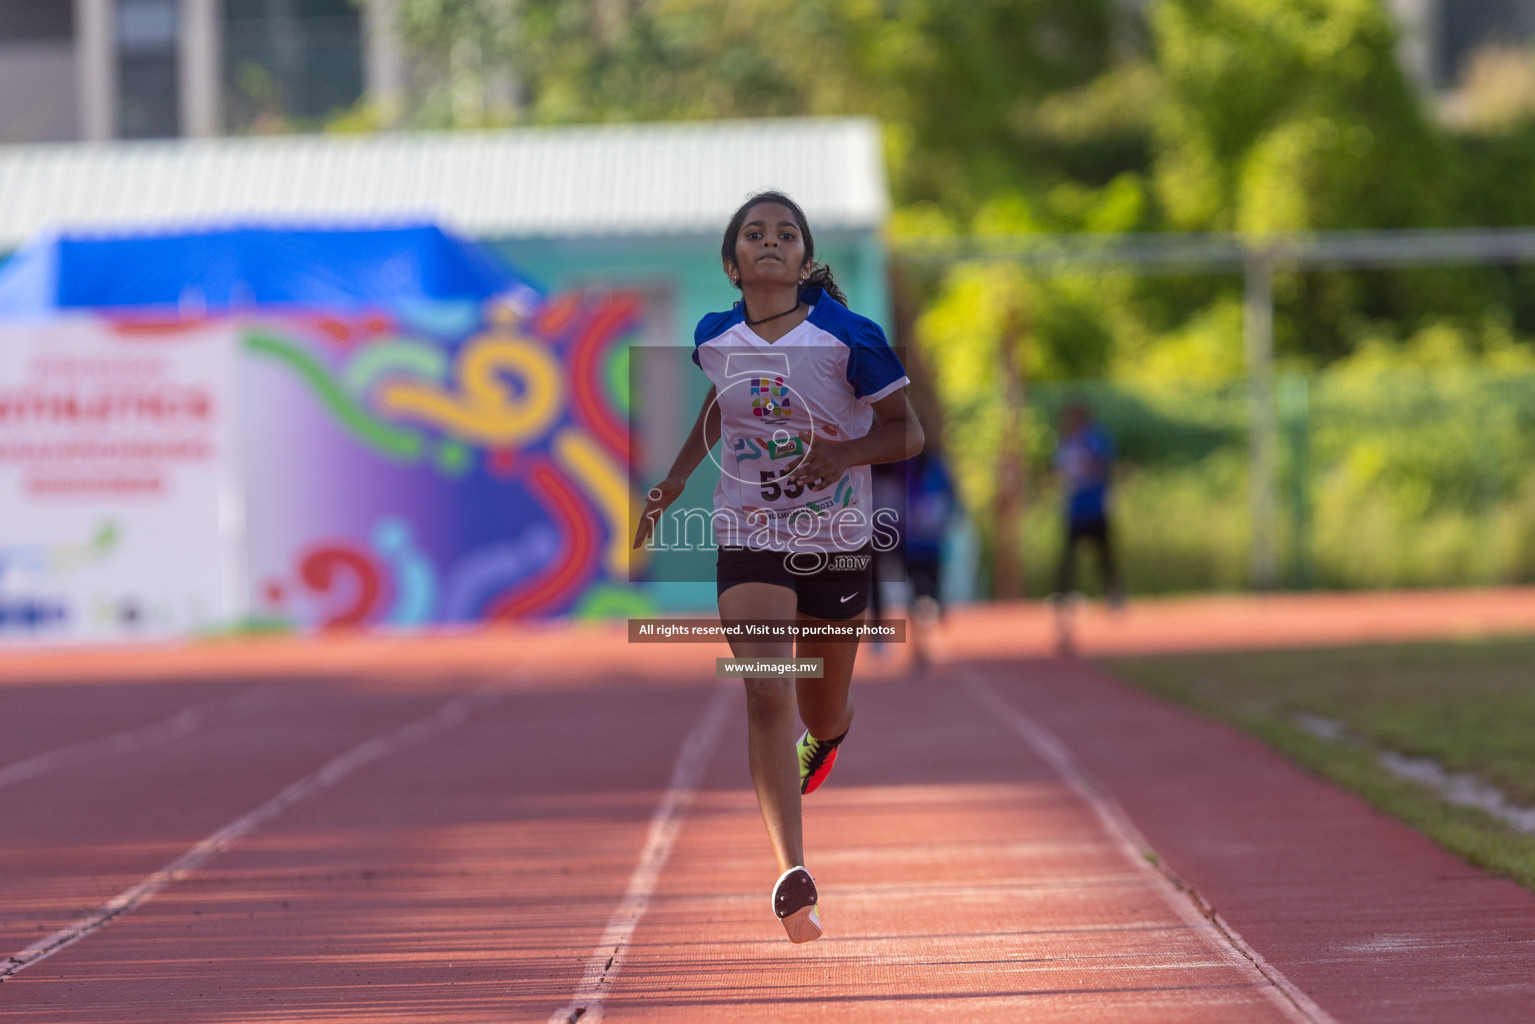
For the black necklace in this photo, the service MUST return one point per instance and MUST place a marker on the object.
(753, 323)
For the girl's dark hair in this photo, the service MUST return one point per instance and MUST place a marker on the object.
(820, 273)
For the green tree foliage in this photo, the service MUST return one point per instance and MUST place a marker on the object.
(1065, 115)
(1289, 115)
(955, 81)
(462, 47)
(1294, 115)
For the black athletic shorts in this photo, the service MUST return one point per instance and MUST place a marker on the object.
(831, 586)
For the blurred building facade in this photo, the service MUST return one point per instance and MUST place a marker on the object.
(120, 69)
(1441, 37)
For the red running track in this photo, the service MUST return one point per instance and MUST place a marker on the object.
(470, 871)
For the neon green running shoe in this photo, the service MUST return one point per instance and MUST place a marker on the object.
(815, 760)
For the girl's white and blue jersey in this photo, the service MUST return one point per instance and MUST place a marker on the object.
(815, 385)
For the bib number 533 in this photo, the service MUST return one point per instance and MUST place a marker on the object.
(773, 486)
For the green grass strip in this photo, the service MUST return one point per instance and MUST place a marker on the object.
(1467, 704)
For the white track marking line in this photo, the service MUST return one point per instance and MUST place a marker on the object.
(183, 723)
(1182, 897)
(451, 714)
(586, 1003)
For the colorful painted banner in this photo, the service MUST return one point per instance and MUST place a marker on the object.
(118, 501)
(446, 464)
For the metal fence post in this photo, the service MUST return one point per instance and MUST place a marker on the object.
(1295, 414)
(1007, 578)
(1263, 419)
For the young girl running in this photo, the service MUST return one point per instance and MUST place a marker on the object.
(806, 395)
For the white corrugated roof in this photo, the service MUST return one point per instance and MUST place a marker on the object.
(675, 177)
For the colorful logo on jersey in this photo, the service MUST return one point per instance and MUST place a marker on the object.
(770, 398)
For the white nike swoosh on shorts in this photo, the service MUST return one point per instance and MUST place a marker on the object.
(848, 598)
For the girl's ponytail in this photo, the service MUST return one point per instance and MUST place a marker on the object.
(820, 277)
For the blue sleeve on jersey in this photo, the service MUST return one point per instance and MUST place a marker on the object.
(713, 325)
(872, 365)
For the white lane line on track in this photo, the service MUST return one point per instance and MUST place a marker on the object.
(607, 958)
(451, 714)
(1184, 900)
(183, 723)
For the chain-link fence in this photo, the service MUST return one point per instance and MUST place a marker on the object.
(1388, 478)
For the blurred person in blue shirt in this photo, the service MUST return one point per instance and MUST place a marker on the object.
(920, 495)
(1084, 458)
(929, 506)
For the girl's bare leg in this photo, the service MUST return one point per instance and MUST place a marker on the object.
(826, 704)
(770, 731)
